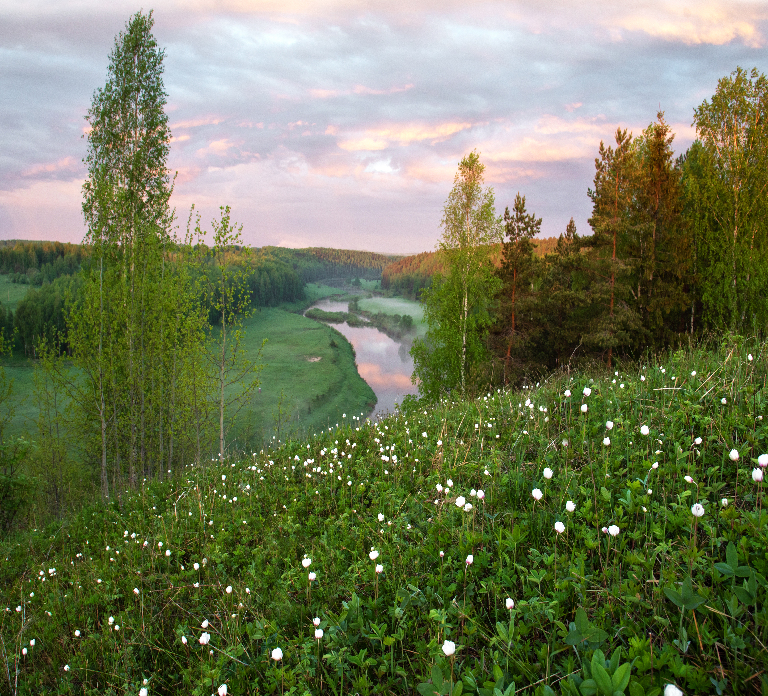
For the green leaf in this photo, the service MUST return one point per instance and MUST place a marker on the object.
(675, 597)
(615, 658)
(743, 572)
(426, 689)
(731, 556)
(725, 569)
(603, 679)
(588, 687)
(574, 638)
(605, 493)
(620, 678)
(497, 673)
(744, 596)
(437, 678)
(636, 689)
(582, 621)
(458, 689)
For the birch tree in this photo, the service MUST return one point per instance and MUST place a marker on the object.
(733, 129)
(456, 306)
(234, 372)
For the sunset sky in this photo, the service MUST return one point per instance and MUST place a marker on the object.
(340, 123)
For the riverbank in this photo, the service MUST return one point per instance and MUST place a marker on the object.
(381, 340)
(309, 382)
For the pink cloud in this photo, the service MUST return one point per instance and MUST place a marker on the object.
(696, 22)
(402, 134)
(362, 89)
(217, 147)
(197, 122)
(65, 164)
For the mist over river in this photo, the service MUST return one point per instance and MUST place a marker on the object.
(385, 364)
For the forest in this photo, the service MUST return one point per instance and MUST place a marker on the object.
(677, 251)
(273, 275)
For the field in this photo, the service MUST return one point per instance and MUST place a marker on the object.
(594, 534)
(12, 293)
(309, 382)
(299, 393)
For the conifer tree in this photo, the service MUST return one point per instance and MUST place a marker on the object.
(516, 274)
(659, 243)
(616, 323)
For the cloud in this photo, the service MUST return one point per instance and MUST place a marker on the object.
(331, 122)
(698, 22)
(196, 123)
(402, 134)
(69, 166)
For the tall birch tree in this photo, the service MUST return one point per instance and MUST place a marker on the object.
(733, 129)
(126, 209)
(457, 304)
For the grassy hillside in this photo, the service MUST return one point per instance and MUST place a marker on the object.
(197, 583)
(309, 382)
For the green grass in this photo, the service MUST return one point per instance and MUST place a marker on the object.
(393, 305)
(312, 395)
(397, 305)
(315, 393)
(12, 293)
(670, 598)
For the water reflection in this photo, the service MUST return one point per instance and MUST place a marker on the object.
(382, 362)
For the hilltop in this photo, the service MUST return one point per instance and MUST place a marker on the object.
(597, 532)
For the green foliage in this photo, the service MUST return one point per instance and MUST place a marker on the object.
(225, 292)
(42, 315)
(516, 274)
(38, 263)
(456, 306)
(729, 173)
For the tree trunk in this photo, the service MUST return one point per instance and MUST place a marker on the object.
(221, 383)
(102, 415)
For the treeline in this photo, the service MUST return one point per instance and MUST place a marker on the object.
(678, 248)
(36, 263)
(317, 263)
(410, 275)
(272, 276)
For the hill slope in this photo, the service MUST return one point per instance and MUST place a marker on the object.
(407, 276)
(194, 584)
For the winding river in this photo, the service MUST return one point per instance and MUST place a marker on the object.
(382, 362)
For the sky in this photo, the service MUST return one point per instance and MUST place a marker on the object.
(341, 123)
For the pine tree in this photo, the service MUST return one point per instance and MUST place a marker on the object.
(616, 323)
(659, 243)
(516, 274)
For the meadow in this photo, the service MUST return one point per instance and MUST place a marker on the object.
(11, 293)
(300, 393)
(595, 533)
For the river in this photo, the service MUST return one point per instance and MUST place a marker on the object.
(383, 362)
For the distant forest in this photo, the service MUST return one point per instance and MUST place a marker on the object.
(408, 276)
(275, 275)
